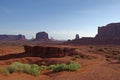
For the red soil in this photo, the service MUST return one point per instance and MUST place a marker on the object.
(97, 68)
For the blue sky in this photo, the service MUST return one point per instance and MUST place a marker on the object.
(62, 19)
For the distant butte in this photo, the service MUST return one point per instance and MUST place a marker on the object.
(6, 37)
(42, 36)
(109, 34)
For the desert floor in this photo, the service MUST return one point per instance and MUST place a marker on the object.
(96, 65)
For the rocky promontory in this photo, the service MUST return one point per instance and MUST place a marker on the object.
(109, 34)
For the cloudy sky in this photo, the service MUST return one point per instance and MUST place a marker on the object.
(62, 19)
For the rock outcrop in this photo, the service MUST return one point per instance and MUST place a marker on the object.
(42, 36)
(109, 32)
(49, 51)
(77, 36)
(83, 40)
(12, 37)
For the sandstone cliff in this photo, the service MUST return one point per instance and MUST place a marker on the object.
(109, 32)
(49, 51)
(12, 37)
(42, 36)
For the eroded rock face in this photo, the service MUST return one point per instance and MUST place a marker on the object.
(109, 32)
(49, 51)
(42, 36)
(12, 37)
(83, 40)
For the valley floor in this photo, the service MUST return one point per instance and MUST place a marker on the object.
(98, 68)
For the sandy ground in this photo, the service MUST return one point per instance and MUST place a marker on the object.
(98, 68)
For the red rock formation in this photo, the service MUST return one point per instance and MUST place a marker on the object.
(49, 51)
(42, 36)
(109, 32)
(83, 40)
(77, 36)
(12, 37)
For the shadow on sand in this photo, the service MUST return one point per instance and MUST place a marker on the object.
(18, 55)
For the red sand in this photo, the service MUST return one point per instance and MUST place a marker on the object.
(94, 69)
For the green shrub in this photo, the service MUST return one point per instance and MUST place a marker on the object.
(41, 68)
(100, 49)
(107, 56)
(34, 70)
(75, 57)
(70, 62)
(70, 66)
(91, 47)
(106, 48)
(4, 71)
(59, 67)
(73, 67)
(119, 58)
(26, 67)
(20, 67)
(43, 63)
(16, 66)
(80, 56)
